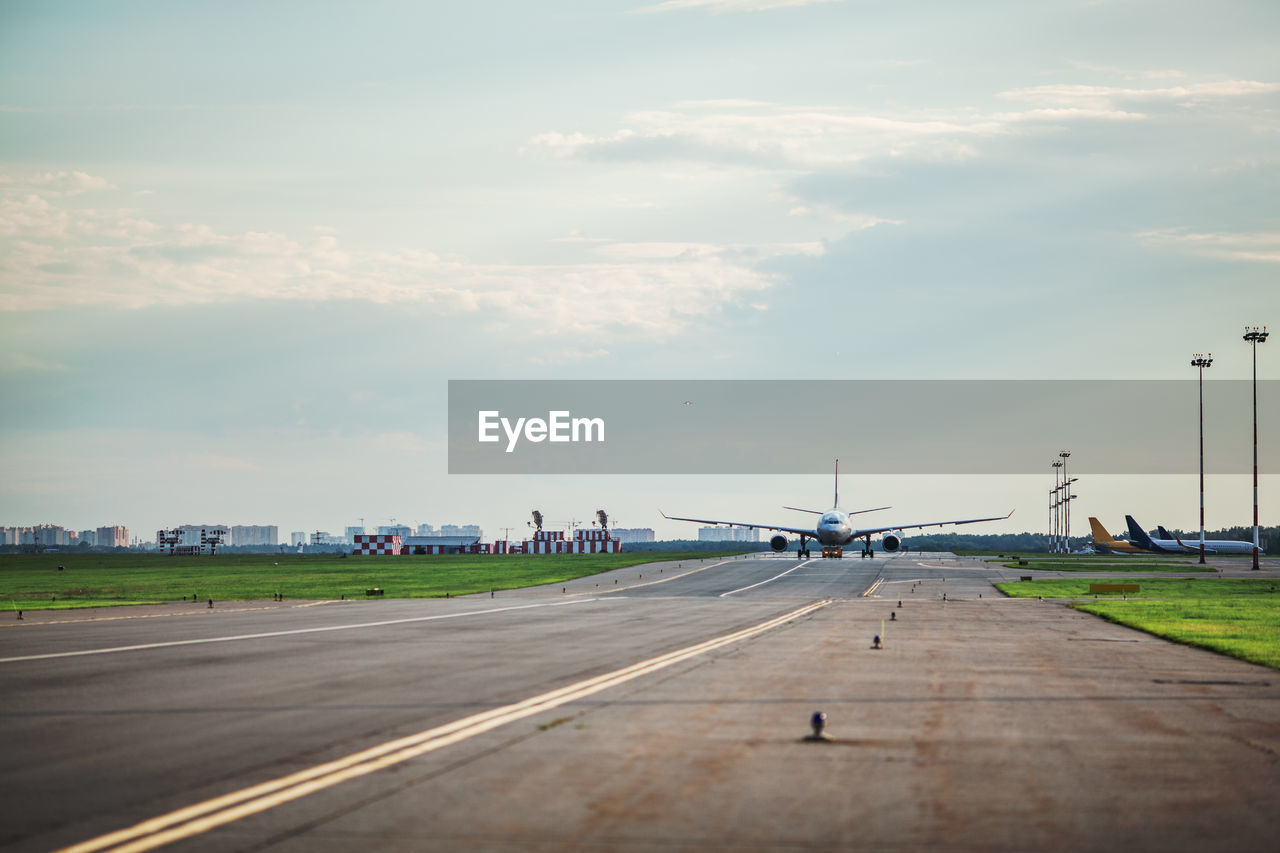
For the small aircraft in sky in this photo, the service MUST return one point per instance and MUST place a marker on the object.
(834, 528)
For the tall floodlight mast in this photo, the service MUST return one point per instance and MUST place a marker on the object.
(1053, 508)
(1202, 361)
(1255, 336)
(1066, 485)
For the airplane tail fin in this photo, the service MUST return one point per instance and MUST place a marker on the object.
(1164, 534)
(1100, 533)
(835, 501)
(1136, 534)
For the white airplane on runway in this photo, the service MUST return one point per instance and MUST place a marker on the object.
(834, 530)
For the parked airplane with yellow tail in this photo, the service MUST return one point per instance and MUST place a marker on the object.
(1104, 543)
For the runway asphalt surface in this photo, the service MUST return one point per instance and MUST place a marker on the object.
(658, 707)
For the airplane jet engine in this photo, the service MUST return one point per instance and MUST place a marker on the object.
(778, 542)
(891, 541)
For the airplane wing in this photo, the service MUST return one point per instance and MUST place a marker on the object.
(873, 530)
(850, 512)
(796, 530)
(1194, 547)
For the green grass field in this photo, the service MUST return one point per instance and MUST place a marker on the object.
(1097, 563)
(33, 581)
(1236, 616)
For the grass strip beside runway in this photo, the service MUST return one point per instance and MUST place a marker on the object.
(34, 582)
(1095, 563)
(1239, 617)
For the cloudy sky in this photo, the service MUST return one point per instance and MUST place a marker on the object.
(244, 246)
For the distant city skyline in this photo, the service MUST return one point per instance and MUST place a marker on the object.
(244, 249)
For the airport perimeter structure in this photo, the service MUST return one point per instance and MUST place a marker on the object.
(543, 542)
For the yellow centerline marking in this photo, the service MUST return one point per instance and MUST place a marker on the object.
(202, 817)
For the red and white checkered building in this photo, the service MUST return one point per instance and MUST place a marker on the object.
(594, 542)
(377, 543)
(583, 542)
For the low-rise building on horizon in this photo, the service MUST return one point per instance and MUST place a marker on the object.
(254, 534)
(633, 534)
(728, 534)
(115, 536)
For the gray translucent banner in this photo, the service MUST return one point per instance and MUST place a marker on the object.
(872, 426)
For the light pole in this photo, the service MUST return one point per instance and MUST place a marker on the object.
(1202, 361)
(1066, 515)
(1053, 518)
(1066, 486)
(1255, 336)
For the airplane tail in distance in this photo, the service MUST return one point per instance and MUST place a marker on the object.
(1100, 533)
(1136, 534)
(1164, 534)
(835, 501)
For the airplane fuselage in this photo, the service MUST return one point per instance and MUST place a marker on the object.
(834, 528)
(1217, 546)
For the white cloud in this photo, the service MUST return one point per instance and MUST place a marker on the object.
(58, 256)
(1108, 98)
(705, 251)
(1129, 73)
(1254, 247)
(775, 136)
(64, 183)
(769, 136)
(651, 251)
(847, 220)
(1051, 115)
(32, 216)
(576, 236)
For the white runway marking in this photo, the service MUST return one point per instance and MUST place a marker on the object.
(770, 580)
(202, 817)
(610, 590)
(86, 619)
(295, 632)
